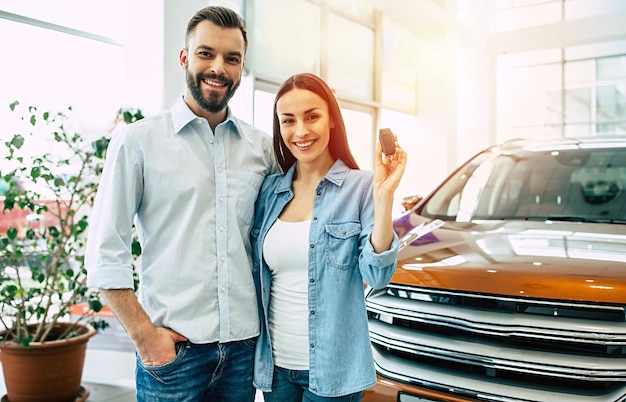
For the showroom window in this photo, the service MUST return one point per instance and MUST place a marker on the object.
(52, 63)
(610, 94)
(377, 69)
(350, 68)
(272, 54)
(577, 91)
(399, 67)
(516, 14)
(75, 16)
(69, 53)
(54, 69)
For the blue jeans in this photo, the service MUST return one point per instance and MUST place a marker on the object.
(293, 386)
(216, 372)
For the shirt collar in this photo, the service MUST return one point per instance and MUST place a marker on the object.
(182, 115)
(335, 175)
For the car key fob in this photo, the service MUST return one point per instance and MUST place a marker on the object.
(387, 141)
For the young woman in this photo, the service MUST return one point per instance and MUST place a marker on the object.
(322, 228)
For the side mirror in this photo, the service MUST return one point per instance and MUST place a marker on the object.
(410, 201)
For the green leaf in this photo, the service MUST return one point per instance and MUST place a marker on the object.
(82, 225)
(10, 290)
(136, 248)
(35, 173)
(54, 231)
(12, 105)
(100, 324)
(30, 234)
(33, 120)
(9, 203)
(25, 342)
(12, 233)
(100, 147)
(95, 305)
(17, 141)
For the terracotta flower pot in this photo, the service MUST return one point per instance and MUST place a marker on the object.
(45, 372)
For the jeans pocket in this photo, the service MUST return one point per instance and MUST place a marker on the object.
(158, 370)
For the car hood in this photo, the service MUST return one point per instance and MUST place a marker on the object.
(534, 259)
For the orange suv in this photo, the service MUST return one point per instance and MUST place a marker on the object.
(511, 283)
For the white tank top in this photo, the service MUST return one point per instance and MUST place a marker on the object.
(285, 251)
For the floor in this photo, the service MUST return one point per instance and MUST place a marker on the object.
(108, 374)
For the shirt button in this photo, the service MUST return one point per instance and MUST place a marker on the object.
(210, 141)
(222, 258)
(319, 192)
(220, 170)
(311, 345)
(221, 228)
(312, 312)
(312, 280)
(312, 246)
(223, 289)
(221, 199)
(315, 218)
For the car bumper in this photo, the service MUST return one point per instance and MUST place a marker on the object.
(401, 380)
(387, 390)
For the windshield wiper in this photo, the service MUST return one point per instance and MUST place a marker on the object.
(571, 218)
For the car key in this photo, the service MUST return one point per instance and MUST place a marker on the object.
(387, 141)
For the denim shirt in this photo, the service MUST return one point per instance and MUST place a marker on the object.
(340, 258)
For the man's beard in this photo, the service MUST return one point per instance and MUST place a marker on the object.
(212, 104)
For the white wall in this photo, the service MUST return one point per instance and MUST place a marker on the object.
(177, 13)
(144, 24)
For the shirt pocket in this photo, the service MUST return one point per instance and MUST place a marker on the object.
(248, 190)
(342, 243)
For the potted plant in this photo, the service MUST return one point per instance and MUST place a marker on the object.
(47, 196)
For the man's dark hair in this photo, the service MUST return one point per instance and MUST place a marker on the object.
(220, 16)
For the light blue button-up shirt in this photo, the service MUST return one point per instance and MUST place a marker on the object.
(341, 257)
(191, 194)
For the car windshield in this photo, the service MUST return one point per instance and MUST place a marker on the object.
(575, 184)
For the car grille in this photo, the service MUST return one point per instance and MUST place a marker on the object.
(488, 346)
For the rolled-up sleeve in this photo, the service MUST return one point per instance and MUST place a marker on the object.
(108, 256)
(378, 268)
